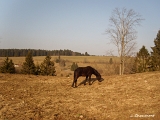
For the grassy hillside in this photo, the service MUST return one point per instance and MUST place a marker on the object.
(101, 63)
(128, 97)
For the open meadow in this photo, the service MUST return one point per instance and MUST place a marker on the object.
(127, 97)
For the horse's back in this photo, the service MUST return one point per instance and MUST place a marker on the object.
(83, 71)
(88, 68)
(80, 71)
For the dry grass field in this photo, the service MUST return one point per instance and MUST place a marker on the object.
(127, 97)
(101, 63)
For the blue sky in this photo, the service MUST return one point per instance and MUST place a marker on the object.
(78, 25)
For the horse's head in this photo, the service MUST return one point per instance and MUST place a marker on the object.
(99, 78)
(98, 75)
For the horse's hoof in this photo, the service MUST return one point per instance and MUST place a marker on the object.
(74, 87)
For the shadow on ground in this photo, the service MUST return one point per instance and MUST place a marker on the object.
(92, 81)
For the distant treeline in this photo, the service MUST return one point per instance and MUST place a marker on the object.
(39, 52)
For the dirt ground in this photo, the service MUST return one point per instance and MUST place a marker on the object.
(127, 97)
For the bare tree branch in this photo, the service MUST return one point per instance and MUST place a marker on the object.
(122, 33)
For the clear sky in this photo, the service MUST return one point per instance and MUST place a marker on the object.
(77, 25)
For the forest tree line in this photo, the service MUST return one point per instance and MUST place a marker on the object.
(39, 52)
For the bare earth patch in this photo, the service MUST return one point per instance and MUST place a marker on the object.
(127, 97)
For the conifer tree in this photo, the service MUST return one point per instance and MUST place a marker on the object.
(37, 69)
(62, 63)
(74, 66)
(11, 67)
(28, 66)
(110, 61)
(47, 67)
(155, 55)
(8, 66)
(142, 60)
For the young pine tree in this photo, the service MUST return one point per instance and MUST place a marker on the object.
(155, 55)
(74, 66)
(28, 66)
(37, 70)
(142, 60)
(47, 67)
(8, 66)
(110, 61)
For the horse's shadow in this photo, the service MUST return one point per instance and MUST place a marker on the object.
(92, 80)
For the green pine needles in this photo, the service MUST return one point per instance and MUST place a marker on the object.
(45, 68)
(155, 55)
(74, 66)
(28, 66)
(149, 62)
(8, 66)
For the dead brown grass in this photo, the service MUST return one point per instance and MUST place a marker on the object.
(27, 97)
(101, 63)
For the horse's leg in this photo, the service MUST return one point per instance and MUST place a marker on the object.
(85, 80)
(90, 80)
(73, 83)
(76, 82)
(74, 79)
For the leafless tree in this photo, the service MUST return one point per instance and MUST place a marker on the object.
(122, 33)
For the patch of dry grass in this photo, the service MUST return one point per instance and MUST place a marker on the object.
(116, 98)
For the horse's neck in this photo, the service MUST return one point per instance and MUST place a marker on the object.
(95, 73)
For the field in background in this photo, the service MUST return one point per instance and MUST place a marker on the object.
(101, 63)
(127, 97)
(39, 59)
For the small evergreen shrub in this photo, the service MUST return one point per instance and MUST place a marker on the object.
(74, 66)
(47, 67)
(8, 66)
(28, 66)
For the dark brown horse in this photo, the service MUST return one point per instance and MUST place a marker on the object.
(87, 72)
